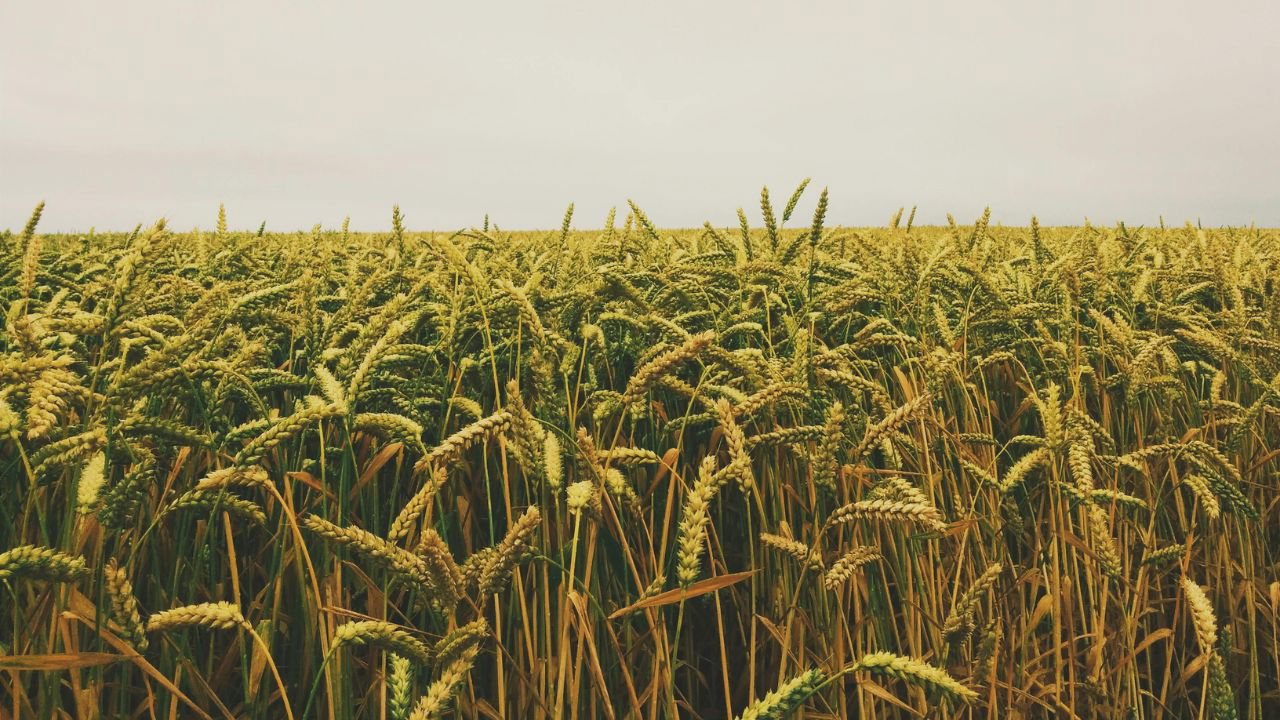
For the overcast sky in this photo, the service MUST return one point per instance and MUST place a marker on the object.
(297, 113)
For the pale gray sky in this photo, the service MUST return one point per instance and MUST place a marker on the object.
(303, 112)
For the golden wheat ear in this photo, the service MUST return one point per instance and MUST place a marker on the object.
(693, 523)
(213, 615)
(1202, 616)
(381, 634)
(435, 701)
(124, 606)
(915, 672)
(843, 568)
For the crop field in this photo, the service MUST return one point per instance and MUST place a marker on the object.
(776, 470)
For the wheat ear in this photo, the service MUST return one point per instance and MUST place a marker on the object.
(435, 701)
(385, 635)
(214, 615)
(916, 672)
(789, 696)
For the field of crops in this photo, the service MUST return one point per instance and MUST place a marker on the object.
(780, 470)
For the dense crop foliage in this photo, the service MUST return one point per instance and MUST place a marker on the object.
(960, 471)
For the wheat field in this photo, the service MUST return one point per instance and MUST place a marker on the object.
(778, 470)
